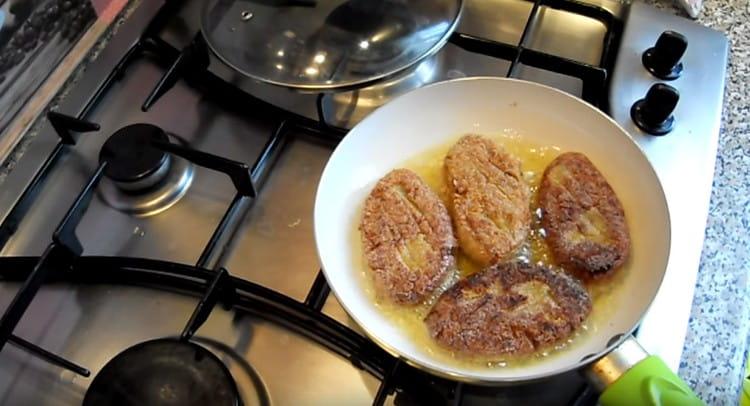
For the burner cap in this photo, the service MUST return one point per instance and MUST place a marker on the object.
(130, 154)
(163, 372)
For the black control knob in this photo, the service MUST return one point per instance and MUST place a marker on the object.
(663, 59)
(653, 113)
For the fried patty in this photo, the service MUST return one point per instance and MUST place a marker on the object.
(489, 199)
(508, 309)
(408, 240)
(583, 218)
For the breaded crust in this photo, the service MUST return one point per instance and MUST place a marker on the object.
(489, 199)
(508, 309)
(583, 218)
(407, 236)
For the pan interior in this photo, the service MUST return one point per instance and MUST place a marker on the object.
(436, 115)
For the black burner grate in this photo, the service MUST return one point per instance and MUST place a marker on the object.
(595, 78)
(62, 261)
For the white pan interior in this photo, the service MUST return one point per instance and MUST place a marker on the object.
(432, 116)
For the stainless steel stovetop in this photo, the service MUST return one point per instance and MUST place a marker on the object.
(268, 239)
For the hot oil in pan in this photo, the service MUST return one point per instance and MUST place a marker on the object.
(535, 158)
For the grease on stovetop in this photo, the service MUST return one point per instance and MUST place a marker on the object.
(429, 166)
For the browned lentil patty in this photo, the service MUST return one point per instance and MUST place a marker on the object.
(489, 199)
(407, 236)
(508, 309)
(583, 218)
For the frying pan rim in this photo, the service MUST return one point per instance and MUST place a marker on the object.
(506, 381)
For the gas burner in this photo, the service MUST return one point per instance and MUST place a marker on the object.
(140, 178)
(164, 372)
(133, 163)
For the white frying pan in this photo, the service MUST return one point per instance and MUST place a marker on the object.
(438, 114)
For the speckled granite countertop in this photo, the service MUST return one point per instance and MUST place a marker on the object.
(717, 339)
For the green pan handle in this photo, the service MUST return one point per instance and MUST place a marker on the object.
(630, 376)
(650, 383)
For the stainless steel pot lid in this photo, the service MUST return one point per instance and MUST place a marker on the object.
(326, 44)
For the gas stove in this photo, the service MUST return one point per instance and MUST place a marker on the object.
(167, 202)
